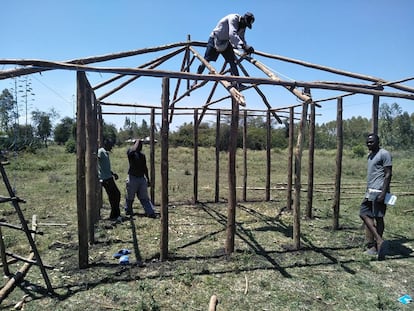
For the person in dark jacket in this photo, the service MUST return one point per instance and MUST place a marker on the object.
(138, 181)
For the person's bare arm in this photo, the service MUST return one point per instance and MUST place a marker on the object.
(387, 182)
(135, 146)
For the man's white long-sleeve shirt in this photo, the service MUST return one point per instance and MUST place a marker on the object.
(228, 29)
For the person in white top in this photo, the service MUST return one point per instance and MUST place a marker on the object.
(226, 36)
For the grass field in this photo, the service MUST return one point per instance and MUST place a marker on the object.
(329, 272)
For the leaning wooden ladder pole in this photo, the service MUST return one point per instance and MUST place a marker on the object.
(34, 257)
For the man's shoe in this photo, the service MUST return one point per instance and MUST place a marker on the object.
(116, 219)
(371, 251)
(383, 250)
(154, 216)
(128, 212)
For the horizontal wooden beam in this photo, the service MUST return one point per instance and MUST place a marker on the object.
(340, 72)
(45, 65)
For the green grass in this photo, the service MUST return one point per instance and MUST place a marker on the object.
(329, 272)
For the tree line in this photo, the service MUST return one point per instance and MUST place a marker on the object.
(396, 129)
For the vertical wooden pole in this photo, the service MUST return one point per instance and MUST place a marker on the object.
(245, 156)
(195, 142)
(217, 190)
(298, 163)
(3, 255)
(99, 143)
(231, 209)
(80, 171)
(268, 154)
(152, 155)
(311, 161)
(290, 159)
(375, 112)
(94, 149)
(164, 169)
(91, 171)
(338, 174)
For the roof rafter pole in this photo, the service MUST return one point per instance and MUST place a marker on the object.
(102, 58)
(173, 102)
(261, 94)
(187, 68)
(210, 96)
(232, 90)
(189, 90)
(154, 64)
(337, 71)
(186, 75)
(272, 76)
(208, 103)
(157, 60)
(361, 85)
(177, 87)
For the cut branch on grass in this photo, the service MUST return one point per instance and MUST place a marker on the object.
(213, 303)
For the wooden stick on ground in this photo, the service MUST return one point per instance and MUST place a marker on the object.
(213, 303)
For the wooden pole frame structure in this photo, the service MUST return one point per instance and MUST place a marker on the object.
(86, 115)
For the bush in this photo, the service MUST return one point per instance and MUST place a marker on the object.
(70, 145)
(358, 151)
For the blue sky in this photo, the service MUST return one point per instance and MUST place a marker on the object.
(371, 37)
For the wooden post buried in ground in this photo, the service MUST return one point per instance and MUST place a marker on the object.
(231, 209)
(80, 171)
(164, 170)
(338, 174)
